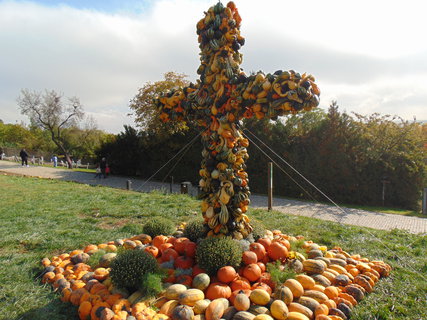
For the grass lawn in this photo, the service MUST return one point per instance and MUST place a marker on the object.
(40, 218)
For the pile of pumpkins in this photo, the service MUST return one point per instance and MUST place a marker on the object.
(221, 98)
(328, 284)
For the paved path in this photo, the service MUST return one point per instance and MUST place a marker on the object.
(356, 217)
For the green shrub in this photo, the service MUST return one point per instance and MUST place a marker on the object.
(130, 269)
(152, 284)
(279, 274)
(94, 258)
(159, 226)
(215, 253)
(195, 229)
(258, 229)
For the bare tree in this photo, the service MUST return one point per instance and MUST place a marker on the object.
(49, 112)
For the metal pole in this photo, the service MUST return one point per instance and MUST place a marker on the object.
(170, 188)
(383, 197)
(270, 186)
(425, 201)
(129, 185)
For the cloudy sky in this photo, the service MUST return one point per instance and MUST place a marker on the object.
(370, 56)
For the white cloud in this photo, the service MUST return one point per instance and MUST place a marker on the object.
(368, 54)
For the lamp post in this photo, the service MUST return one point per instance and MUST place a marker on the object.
(384, 181)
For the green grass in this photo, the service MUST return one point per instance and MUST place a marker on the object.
(40, 218)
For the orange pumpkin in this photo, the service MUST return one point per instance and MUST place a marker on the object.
(190, 249)
(183, 262)
(240, 284)
(226, 274)
(76, 295)
(265, 242)
(179, 245)
(277, 251)
(169, 254)
(259, 250)
(154, 251)
(184, 279)
(218, 290)
(249, 257)
(252, 272)
(159, 240)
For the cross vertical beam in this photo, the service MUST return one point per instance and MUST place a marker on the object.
(222, 97)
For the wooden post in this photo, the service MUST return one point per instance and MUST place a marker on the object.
(129, 185)
(425, 201)
(170, 187)
(270, 186)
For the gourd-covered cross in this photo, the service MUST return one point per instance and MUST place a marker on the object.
(222, 97)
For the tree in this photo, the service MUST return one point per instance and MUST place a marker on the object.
(144, 110)
(49, 112)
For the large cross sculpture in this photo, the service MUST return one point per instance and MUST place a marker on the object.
(222, 97)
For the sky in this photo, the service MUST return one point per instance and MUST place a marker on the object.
(369, 56)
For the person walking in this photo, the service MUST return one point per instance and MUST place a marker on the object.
(103, 166)
(24, 157)
(54, 160)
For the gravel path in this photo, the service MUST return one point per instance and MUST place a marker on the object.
(356, 217)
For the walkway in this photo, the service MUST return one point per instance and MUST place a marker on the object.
(356, 217)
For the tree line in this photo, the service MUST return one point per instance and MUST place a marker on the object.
(354, 159)
(349, 158)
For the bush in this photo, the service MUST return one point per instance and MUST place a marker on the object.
(258, 229)
(159, 226)
(215, 253)
(130, 269)
(195, 229)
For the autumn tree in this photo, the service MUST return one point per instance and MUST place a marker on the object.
(144, 110)
(50, 112)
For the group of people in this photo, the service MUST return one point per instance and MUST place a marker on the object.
(102, 170)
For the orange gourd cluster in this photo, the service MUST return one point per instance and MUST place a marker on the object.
(328, 285)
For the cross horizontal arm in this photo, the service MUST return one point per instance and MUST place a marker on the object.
(277, 94)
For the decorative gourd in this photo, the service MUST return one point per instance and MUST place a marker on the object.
(355, 292)
(243, 315)
(242, 302)
(263, 286)
(215, 310)
(191, 296)
(284, 294)
(316, 295)
(182, 313)
(308, 302)
(345, 309)
(153, 250)
(76, 295)
(168, 307)
(201, 281)
(200, 306)
(295, 286)
(296, 316)
(218, 290)
(348, 297)
(173, 291)
(229, 313)
(337, 312)
(84, 310)
(226, 274)
(319, 279)
(321, 309)
(252, 272)
(296, 307)
(307, 282)
(363, 282)
(311, 266)
(97, 309)
(260, 297)
(263, 317)
(277, 251)
(331, 292)
(279, 310)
